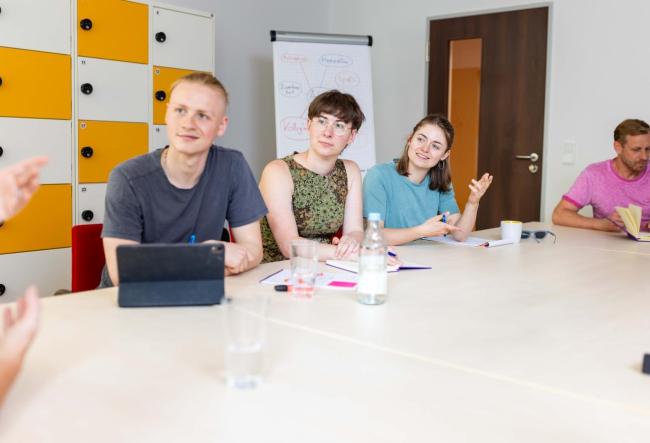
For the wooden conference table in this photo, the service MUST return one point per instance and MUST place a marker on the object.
(534, 342)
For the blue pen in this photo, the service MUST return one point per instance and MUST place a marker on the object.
(444, 219)
(192, 239)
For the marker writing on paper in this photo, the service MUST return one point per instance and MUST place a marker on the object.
(192, 239)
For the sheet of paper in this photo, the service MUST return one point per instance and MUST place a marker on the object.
(353, 266)
(449, 240)
(325, 280)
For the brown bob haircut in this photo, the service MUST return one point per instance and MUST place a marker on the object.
(201, 78)
(340, 105)
(440, 174)
(631, 126)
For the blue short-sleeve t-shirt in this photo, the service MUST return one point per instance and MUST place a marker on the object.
(402, 203)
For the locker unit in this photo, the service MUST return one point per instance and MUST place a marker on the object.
(91, 199)
(163, 78)
(112, 90)
(76, 83)
(49, 270)
(37, 25)
(34, 84)
(35, 119)
(45, 223)
(113, 30)
(104, 145)
(178, 37)
(22, 138)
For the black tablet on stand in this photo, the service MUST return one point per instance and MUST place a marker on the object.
(170, 274)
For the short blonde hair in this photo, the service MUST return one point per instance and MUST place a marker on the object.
(201, 78)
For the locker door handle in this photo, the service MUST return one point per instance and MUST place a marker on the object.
(2, 151)
(0, 81)
(161, 37)
(87, 215)
(86, 24)
(2, 289)
(161, 96)
(87, 88)
(87, 152)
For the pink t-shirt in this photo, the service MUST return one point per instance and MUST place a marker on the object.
(601, 187)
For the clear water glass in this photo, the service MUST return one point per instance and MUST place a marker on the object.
(304, 267)
(245, 327)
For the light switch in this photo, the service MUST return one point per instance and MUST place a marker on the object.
(569, 152)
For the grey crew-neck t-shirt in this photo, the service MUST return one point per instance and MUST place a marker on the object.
(142, 205)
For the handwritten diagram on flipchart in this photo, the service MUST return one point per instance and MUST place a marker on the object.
(302, 71)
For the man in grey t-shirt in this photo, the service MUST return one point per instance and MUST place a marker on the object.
(186, 191)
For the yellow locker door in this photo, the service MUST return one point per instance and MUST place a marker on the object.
(45, 223)
(162, 82)
(35, 84)
(104, 145)
(113, 30)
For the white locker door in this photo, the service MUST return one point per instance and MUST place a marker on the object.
(90, 203)
(158, 137)
(50, 269)
(112, 91)
(36, 24)
(21, 138)
(183, 40)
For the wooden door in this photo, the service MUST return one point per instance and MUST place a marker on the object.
(511, 109)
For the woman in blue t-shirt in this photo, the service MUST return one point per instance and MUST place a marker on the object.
(414, 196)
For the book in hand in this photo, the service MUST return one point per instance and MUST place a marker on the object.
(631, 217)
(353, 266)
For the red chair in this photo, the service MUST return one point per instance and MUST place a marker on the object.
(87, 257)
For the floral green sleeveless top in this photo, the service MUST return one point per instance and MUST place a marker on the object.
(318, 206)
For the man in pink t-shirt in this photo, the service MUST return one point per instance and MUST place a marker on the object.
(617, 182)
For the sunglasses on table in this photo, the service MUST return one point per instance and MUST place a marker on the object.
(537, 235)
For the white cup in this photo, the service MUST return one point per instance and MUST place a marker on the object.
(511, 230)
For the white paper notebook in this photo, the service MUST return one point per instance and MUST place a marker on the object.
(471, 241)
(353, 266)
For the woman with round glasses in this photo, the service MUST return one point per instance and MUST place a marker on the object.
(312, 194)
(414, 195)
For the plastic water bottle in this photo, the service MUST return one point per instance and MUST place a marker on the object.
(373, 278)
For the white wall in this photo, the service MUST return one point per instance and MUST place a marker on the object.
(244, 63)
(597, 69)
(598, 72)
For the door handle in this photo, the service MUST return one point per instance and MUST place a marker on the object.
(86, 152)
(533, 157)
(87, 88)
(2, 151)
(161, 96)
(2, 289)
(86, 24)
(87, 215)
(161, 37)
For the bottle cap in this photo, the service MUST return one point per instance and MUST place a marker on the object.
(374, 216)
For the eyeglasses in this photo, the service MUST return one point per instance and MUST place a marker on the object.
(338, 127)
(537, 235)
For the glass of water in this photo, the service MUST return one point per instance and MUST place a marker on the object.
(304, 266)
(245, 327)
